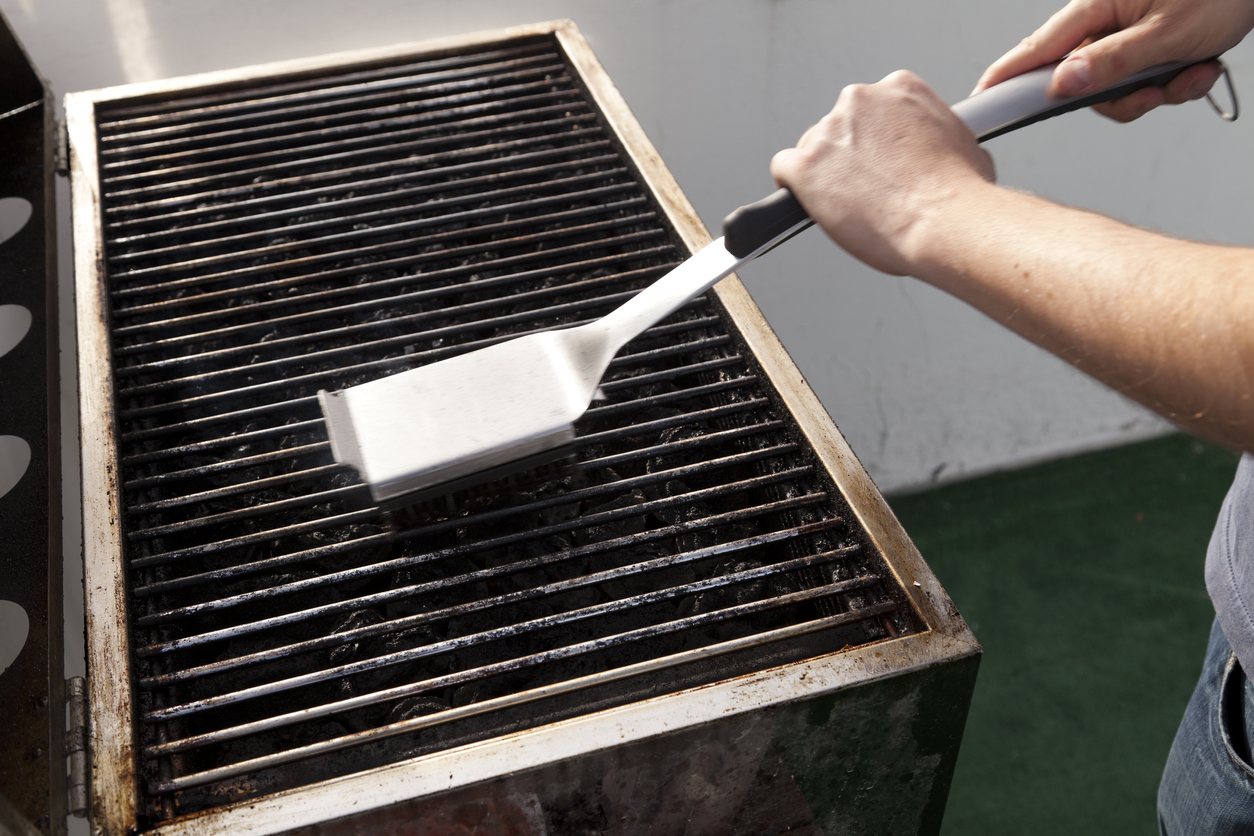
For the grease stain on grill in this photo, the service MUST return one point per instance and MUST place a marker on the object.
(269, 241)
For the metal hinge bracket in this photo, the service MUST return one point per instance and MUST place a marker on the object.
(61, 151)
(76, 745)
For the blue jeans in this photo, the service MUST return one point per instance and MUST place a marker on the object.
(1208, 783)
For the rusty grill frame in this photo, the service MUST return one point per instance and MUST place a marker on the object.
(943, 635)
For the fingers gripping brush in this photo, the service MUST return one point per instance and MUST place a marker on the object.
(511, 406)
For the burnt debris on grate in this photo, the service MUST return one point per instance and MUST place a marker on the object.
(267, 241)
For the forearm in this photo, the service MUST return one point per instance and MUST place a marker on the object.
(897, 180)
(1169, 323)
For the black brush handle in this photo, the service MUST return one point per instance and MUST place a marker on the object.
(1015, 103)
(752, 226)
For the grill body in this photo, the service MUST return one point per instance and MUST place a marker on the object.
(711, 616)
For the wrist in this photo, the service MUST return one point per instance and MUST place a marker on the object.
(948, 226)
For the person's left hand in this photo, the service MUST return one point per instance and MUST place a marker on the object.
(888, 157)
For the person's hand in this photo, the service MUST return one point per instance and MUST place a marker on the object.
(1110, 40)
(871, 172)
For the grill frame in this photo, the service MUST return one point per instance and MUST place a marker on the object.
(945, 636)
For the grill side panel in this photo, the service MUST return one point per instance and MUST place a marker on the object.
(829, 764)
(111, 725)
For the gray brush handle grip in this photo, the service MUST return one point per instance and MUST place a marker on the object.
(1015, 103)
(1025, 100)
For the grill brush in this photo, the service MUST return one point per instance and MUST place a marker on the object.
(512, 406)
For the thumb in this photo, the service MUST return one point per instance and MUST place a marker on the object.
(1110, 60)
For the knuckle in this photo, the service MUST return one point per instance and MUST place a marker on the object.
(1092, 14)
(780, 165)
(1160, 26)
(912, 81)
(828, 123)
(904, 80)
(1115, 60)
(853, 91)
(852, 99)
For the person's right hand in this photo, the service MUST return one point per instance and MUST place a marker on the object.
(1110, 40)
(878, 169)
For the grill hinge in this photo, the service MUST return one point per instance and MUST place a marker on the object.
(60, 147)
(76, 745)
(61, 150)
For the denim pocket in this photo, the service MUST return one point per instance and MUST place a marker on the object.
(1236, 710)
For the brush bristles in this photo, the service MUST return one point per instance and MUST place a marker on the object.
(489, 494)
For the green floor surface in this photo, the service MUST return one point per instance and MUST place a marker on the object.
(1083, 581)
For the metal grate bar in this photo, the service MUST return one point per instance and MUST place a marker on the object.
(522, 698)
(240, 213)
(252, 486)
(319, 497)
(343, 104)
(338, 140)
(474, 519)
(178, 452)
(220, 603)
(606, 461)
(330, 378)
(353, 222)
(370, 631)
(372, 232)
(235, 200)
(191, 525)
(258, 95)
(522, 628)
(385, 137)
(258, 228)
(261, 210)
(394, 209)
(401, 593)
(198, 424)
(462, 312)
(532, 661)
(469, 249)
(403, 299)
(579, 495)
(323, 447)
(450, 158)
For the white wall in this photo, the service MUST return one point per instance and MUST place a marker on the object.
(922, 387)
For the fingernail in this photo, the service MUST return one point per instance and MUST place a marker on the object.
(1073, 76)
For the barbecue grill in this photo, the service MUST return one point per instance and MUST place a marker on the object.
(705, 621)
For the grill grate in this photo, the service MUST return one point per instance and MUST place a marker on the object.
(266, 242)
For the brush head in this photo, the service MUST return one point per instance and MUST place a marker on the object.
(446, 422)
